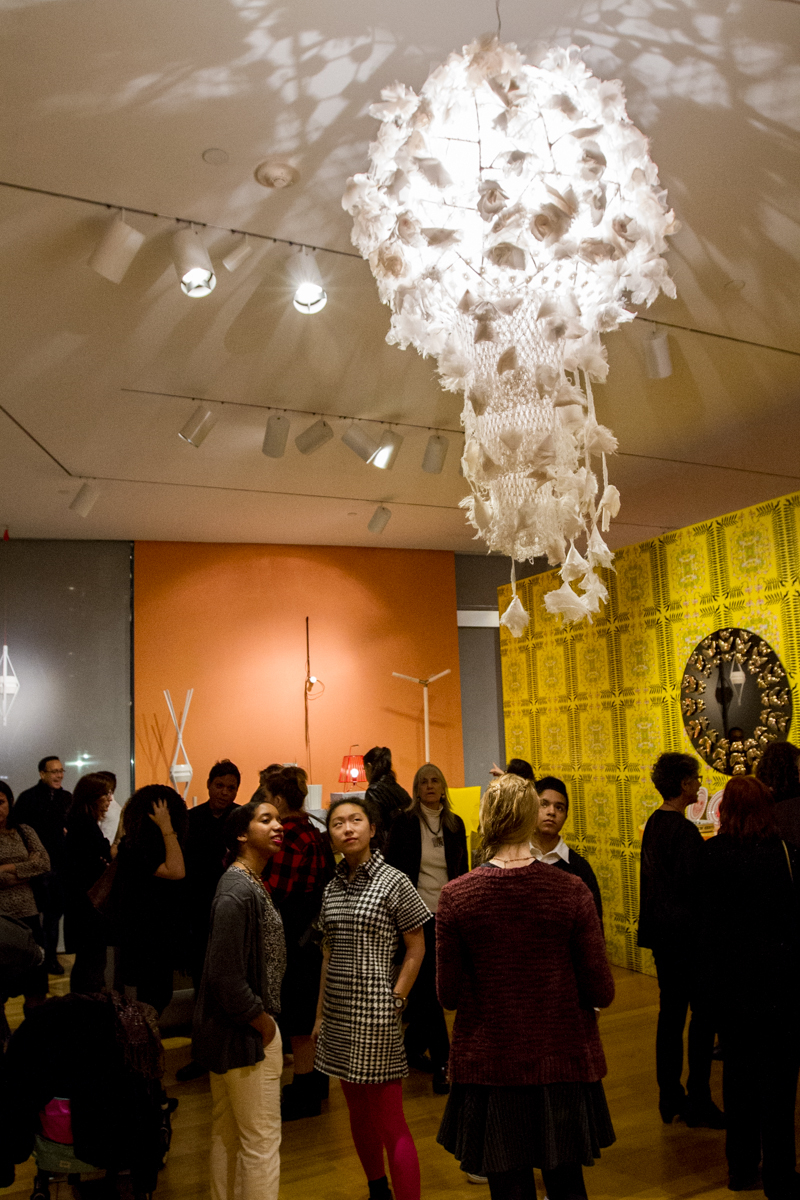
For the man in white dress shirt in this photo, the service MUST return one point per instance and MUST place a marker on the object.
(548, 845)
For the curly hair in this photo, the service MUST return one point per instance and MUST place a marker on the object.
(670, 770)
(140, 831)
(508, 813)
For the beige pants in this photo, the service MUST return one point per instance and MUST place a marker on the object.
(246, 1129)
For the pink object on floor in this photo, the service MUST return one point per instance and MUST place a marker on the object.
(56, 1121)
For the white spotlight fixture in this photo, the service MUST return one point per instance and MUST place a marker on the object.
(116, 250)
(310, 295)
(388, 450)
(192, 263)
(315, 436)
(435, 454)
(379, 519)
(658, 360)
(276, 436)
(238, 254)
(357, 438)
(85, 498)
(199, 425)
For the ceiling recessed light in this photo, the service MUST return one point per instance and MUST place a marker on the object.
(215, 156)
(276, 174)
(734, 285)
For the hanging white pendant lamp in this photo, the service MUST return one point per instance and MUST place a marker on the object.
(510, 213)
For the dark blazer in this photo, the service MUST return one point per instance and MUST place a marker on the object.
(578, 865)
(404, 849)
(786, 815)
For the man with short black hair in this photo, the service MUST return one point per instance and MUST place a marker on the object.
(44, 807)
(670, 921)
(548, 845)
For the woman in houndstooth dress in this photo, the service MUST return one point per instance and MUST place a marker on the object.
(367, 910)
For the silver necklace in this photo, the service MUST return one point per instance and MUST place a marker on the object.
(523, 858)
(436, 834)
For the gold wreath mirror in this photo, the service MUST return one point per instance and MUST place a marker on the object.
(735, 699)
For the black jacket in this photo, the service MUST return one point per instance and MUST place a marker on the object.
(87, 856)
(404, 849)
(45, 810)
(670, 880)
(578, 865)
(388, 799)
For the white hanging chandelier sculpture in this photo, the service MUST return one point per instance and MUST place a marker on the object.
(509, 214)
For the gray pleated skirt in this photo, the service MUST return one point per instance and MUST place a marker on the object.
(491, 1129)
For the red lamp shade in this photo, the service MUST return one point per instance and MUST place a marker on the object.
(352, 771)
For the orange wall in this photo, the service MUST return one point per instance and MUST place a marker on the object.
(229, 621)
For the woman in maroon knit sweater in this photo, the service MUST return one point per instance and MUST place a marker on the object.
(521, 956)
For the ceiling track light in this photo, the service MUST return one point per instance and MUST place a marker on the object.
(388, 450)
(276, 436)
(310, 295)
(192, 263)
(85, 498)
(315, 436)
(199, 425)
(379, 519)
(658, 360)
(435, 454)
(360, 441)
(116, 250)
(237, 255)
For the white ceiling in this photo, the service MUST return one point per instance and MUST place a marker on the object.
(116, 101)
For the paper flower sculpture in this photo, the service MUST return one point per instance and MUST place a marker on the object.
(510, 213)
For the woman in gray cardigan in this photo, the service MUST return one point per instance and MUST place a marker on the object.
(235, 1035)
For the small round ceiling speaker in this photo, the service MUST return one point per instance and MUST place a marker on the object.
(276, 174)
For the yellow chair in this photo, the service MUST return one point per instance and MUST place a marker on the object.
(466, 802)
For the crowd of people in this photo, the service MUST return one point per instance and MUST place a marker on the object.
(341, 942)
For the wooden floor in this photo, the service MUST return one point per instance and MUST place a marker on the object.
(649, 1160)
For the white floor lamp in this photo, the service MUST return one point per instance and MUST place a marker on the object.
(424, 682)
(180, 772)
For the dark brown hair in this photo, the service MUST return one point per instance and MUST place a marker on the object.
(778, 769)
(284, 784)
(86, 797)
(745, 810)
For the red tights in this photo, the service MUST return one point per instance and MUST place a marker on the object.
(377, 1120)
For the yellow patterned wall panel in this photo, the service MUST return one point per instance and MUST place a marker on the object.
(596, 704)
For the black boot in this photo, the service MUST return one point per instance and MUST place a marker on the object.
(301, 1098)
(379, 1189)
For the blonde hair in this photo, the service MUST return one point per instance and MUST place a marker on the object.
(448, 817)
(508, 813)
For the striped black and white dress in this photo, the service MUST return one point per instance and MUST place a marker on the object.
(363, 920)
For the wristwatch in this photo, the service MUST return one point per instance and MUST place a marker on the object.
(399, 1001)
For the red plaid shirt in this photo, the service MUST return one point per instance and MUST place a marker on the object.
(304, 864)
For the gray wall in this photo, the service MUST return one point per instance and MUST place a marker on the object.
(66, 610)
(477, 579)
